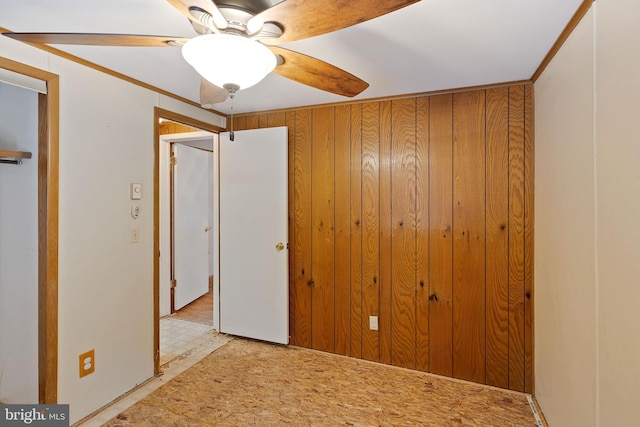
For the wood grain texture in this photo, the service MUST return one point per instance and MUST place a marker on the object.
(385, 279)
(249, 383)
(252, 122)
(276, 119)
(323, 229)
(239, 123)
(313, 72)
(370, 227)
(356, 230)
(12, 154)
(422, 234)
(48, 214)
(529, 210)
(403, 237)
(290, 122)
(342, 230)
(516, 238)
(302, 228)
(441, 235)
(263, 120)
(96, 39)
(168, 127)
(303, 19)
(435, 273)
(497, 229)
(469, 236)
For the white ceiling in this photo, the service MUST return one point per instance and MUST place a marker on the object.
(428, 46)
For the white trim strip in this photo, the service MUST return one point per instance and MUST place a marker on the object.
(23, 81)
(539, 422)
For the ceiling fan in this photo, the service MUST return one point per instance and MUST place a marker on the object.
(227, 27)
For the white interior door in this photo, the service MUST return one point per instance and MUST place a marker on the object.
(254, 294)
(190, 224)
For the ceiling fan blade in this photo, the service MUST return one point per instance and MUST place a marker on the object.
(211, 94)
(316, 73)
(219, 21)
(308, 18)
(93, 39)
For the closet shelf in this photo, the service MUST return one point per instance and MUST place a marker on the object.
(13, 157)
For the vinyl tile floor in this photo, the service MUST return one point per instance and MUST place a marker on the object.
(179, 336)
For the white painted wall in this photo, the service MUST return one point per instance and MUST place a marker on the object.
(19, 248)
(587, 229)
(618, 215)
(105, 282)
(565, 276)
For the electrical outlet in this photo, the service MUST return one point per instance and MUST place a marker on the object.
(87, 363)
(373, 323)
(135, 235)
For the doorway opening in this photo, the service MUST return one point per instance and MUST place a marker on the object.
(185, 229)
(46, 294)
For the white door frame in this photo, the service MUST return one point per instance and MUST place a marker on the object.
(201, 139)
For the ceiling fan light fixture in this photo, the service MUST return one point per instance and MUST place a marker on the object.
(229, 59)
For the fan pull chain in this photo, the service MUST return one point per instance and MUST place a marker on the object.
(232, 89)
(231, 135)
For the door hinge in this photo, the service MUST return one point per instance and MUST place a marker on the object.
(174, 283)
(174, 160)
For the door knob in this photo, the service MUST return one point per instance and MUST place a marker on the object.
(206, 229)
(280, 246)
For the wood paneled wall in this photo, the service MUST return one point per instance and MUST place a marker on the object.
(168, 127)
(418, 211)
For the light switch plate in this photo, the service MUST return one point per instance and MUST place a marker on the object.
(135, 191)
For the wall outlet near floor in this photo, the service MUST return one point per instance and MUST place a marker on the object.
(373, 323)
(135, 235)
(87, 363)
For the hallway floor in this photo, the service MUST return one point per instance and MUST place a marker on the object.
(178, 336)
(200, 310)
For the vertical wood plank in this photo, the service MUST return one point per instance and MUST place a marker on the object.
(239, 123)
(528, 237)
(356, 230)
(323, 237)
(497, 253)
(368, 259)
(370, 227)
(251, 122)
(343, 229)
(403, 238)
(263, 120)
(302, 228)
(516, 238)
(276, 119)
(469, 236)
(440, 235)
(290, 122)
(422, 233)
(385, 280)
